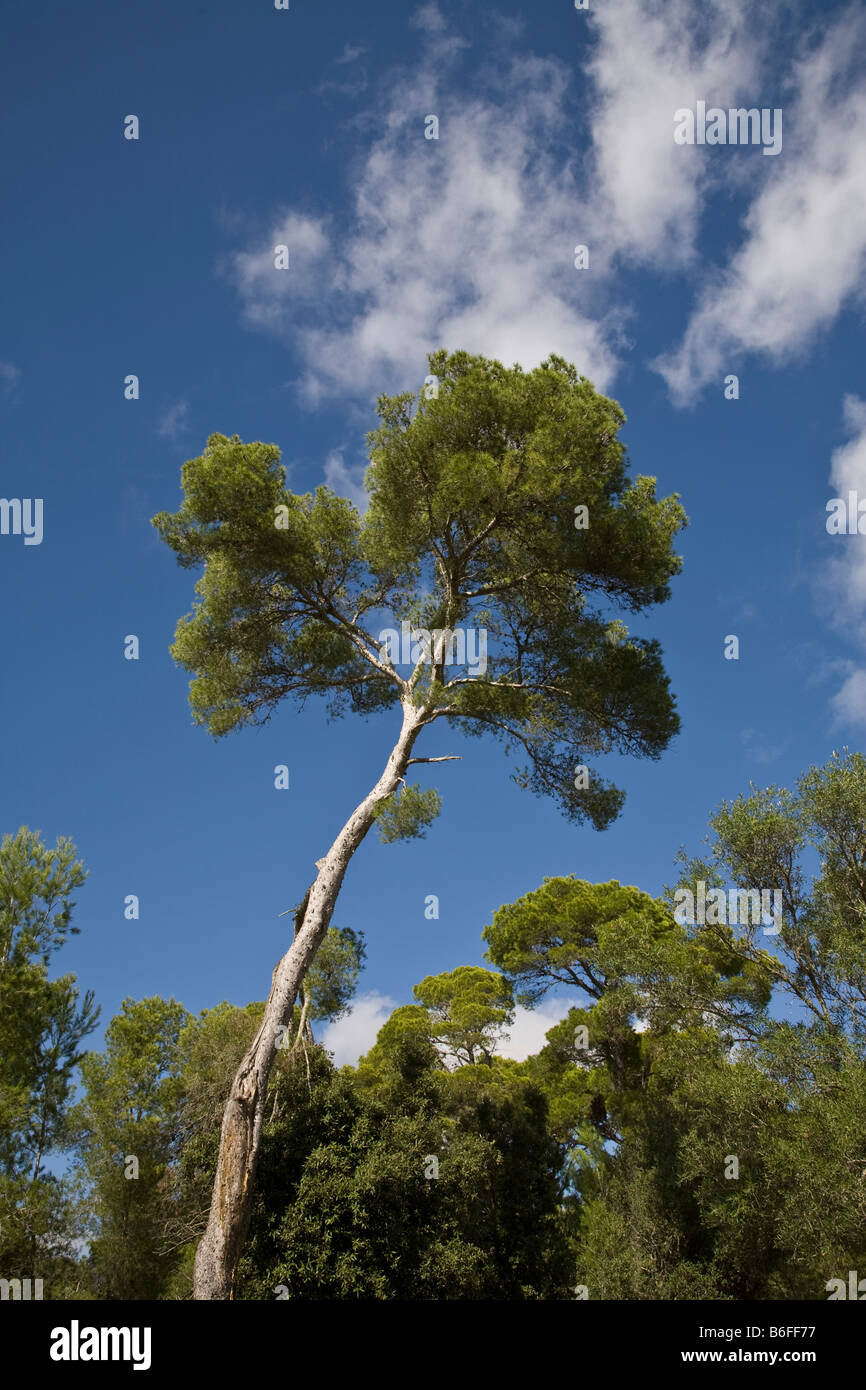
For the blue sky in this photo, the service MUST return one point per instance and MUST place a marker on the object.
(155, 257)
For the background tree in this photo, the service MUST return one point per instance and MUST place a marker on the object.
(330, 982)
(126, 1129)
(694, 1128)
(714, 1111)
(649, 994)
(765, 840)
(42, 1025)
(473, 503)
(402, 1178)
(333, 977)
(467, 1010)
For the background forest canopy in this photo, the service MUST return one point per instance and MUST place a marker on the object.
(694, 1128)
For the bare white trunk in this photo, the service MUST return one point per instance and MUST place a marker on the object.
(240, 1140)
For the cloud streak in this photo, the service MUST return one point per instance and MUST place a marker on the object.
(464, 241)
(803, 256)
(468, 240)
(174, 421)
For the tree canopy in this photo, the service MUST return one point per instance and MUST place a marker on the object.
(473, 495)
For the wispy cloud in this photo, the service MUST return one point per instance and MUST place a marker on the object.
(651, 59)
(468, 240)
(846, 569)
(465, 241)
(803, 256)
(10, 375)
(274, 299)
(347, 482)
(759, 749)
(841, 586)
(350, 52)
(174, 421)
(430, 18)
(355, 82)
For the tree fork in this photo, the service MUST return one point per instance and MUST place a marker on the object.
(221, 1245)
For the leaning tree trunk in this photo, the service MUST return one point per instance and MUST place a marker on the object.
(240, 1140)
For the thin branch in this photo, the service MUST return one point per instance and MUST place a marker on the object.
(449, 758)
(359, 637)
(500, 588)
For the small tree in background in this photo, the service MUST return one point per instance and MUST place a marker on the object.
(127, 1126)
(43, 1023)
(500, 502)
(468, 1008)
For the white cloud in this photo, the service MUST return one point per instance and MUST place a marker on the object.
(849, 703)
(174, 421)
(350, 1037)
(841, 586)
(345, 481)
(527, 1034)
(652, 59)
(844, 580)
(465, 241)
(804, 253)
(848, 463)
(272, 298)
(468, 241)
